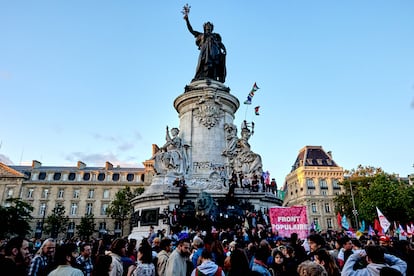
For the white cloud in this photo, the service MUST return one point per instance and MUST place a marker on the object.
(99, 159)
(5, 159)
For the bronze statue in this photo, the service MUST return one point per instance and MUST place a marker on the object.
(212, 58)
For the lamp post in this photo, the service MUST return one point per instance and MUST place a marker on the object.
(354, 210)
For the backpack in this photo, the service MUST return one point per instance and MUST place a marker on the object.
(199, 273)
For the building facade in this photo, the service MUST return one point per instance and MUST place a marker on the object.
(81, 190)
(314, 182)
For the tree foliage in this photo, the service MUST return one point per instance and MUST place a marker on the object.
(86, 227)
(371, 188)
(56, 222)
(16, 217)
(120, 208)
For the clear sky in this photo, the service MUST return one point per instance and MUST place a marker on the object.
(95, 80)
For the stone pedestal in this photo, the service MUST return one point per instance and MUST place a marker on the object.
(204, 109)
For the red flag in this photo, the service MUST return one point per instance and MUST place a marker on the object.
(256, 110)
(377, 226)
(339, 219)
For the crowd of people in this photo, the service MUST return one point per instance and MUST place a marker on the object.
(225, 252)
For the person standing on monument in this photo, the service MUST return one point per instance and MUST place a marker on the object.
(212, 58)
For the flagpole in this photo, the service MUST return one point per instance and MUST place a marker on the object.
(354, 210)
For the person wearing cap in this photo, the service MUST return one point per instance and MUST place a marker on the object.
(377, 260)
(385, 242)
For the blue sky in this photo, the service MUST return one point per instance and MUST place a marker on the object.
(95, 80)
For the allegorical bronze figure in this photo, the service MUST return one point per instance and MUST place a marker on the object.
(212, 58)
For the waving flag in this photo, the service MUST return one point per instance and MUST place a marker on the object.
(344, 223)
(371, 231)
(339, 219)
(377, 227)
(409, 230)
(362, 228)
(401, 230)
(385, 224)
(256, 110)
(251, 94)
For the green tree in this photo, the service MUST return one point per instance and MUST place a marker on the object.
(371, 188)
(86, 227)
(57, 222)
(16, 217)
(120, 208)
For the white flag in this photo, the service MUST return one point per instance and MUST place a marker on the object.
(385, 224)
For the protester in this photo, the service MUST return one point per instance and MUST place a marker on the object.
(324, 258)
(103, 266)
(42, 263)
(16, 255)
(145, 266)
(84, 261)
(118, 248)
(163, 256)
(66, 256)
(177, 262)
(207, 266)
(376, 259)
(308, 268)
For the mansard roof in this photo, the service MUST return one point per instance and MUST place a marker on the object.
(313, 156)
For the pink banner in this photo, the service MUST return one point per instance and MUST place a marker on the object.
(288, 220)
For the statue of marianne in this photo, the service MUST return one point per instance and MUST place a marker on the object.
(212, 58)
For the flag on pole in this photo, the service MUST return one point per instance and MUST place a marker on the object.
(401, 230)
(251, 94)
(344, 223)
(371, 231)
(409, 230)
(385, 224)
(377, 227)
(362, 228)
(339, 219)
(256, 110)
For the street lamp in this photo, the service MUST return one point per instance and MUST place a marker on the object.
(354, 210)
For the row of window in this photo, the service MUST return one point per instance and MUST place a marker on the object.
(86, 176)
(74, 209)
(329, 223)
(323, 184)
(76, 193)
(314, 207)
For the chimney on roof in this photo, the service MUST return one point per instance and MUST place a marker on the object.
(329, 154)
(81, 165)
(36, 164)
(108, 165)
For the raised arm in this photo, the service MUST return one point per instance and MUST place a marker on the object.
(189, 27)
